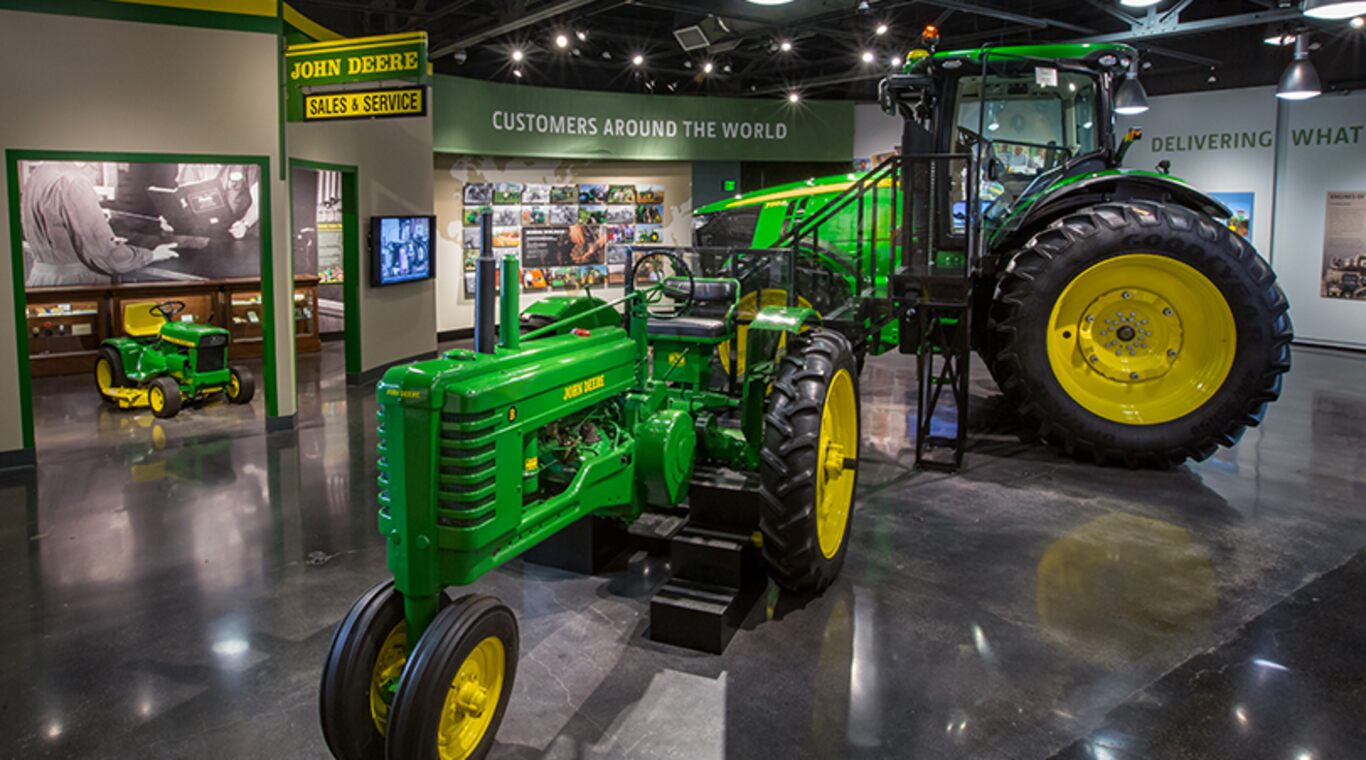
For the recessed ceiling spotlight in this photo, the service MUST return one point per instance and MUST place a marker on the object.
(518, 55)
(868, 56)
(637, 60)
(581, 35)
(1334, 9)
(769, 2)
(606, 56)
(881, 29)
(517, 73)
(1138, 3)
(793, 97)
(1357, 22)
(726, 68)
(562, 41)
(707, 67)
(896, 61)
(785, 46)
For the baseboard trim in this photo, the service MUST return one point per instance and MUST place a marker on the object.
(375, 373)
(281, 423)
(459, 333)
(18, 458)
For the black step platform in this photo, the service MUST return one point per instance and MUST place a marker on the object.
(585, 546)
(717, 571)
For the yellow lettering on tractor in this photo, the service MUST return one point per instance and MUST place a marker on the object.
(677, 359)
(574, 390)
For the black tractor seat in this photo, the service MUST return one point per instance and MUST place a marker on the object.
(688, 327)
(704, 290)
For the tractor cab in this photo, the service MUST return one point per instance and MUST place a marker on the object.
(1020, 120)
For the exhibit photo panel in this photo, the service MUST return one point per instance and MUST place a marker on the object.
(138, 279)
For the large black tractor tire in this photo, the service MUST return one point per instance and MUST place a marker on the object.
(806, 483)
(1139, 418)
(456, 685)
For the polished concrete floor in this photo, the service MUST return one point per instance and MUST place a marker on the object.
(168, 589)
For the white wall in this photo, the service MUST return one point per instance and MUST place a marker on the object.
(81, 84)
(454, 311)
(393, 160)
(1175, 125)
(874, 131)
(1305, 175)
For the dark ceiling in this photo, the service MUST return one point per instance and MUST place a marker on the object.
(1189, 45)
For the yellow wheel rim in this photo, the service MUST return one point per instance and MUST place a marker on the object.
(749, 305)
(104, 376)
(1141, 339)
(838, 443)
(156, 399)
(234, 386)
(393, 655)
(472, 700)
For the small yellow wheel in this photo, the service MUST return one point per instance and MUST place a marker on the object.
(456, 685)
(164, 397)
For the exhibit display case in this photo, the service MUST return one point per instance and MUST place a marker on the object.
(67, 324)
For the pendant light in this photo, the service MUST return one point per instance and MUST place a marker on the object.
(1131, 99)
(1300, 80)
(1334, 9)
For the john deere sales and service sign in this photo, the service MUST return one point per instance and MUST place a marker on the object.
(494, 119)
(365, 104)
(314, 71)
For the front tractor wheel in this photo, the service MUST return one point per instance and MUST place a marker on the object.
(809, 463)
(363, 666)
(163, 396)
(456, 685)
(1139, 334)
(241, 385)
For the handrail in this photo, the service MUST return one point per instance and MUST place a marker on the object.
(837, 204)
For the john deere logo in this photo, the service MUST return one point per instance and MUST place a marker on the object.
(574, 390)
(677, 359)
(512, 414)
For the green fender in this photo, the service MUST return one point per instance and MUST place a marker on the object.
(769, 327)
(571, 312)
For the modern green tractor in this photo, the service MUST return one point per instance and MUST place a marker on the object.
(161, 363)
(600, 408)
(1121, 318)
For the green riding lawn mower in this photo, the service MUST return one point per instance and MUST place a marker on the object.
(160, 363)
(1126, 324)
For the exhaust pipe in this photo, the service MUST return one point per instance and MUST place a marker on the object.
(485, 295)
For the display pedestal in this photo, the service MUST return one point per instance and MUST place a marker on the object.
(585, 547)
(718, 573)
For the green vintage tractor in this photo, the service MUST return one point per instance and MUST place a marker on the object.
(1119, 315)
(160, 363)
(598, 408)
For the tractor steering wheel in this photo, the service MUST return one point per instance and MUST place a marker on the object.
(168, 309)
(667, 286)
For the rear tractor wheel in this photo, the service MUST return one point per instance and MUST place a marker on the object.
(109, 373)
(1139, 334)
(809, 463)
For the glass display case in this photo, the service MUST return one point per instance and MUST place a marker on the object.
(63, 334)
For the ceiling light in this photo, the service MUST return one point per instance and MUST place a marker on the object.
(517, 73)
(868, 56)
(785, 46)
(881, 29)
(793, 97)
(1357, 22)
(1139, 3)
(707, 67)
(1334, 9)
(726, 68)
(1300, 80)
(896, 61)
(1131, 99)
(638, 59)
(1280, 38)
(582, 35)
(606, 56)
(561, 41)
(517, 55)
(768, 2)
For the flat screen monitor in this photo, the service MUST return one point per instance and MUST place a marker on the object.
(401, 249)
